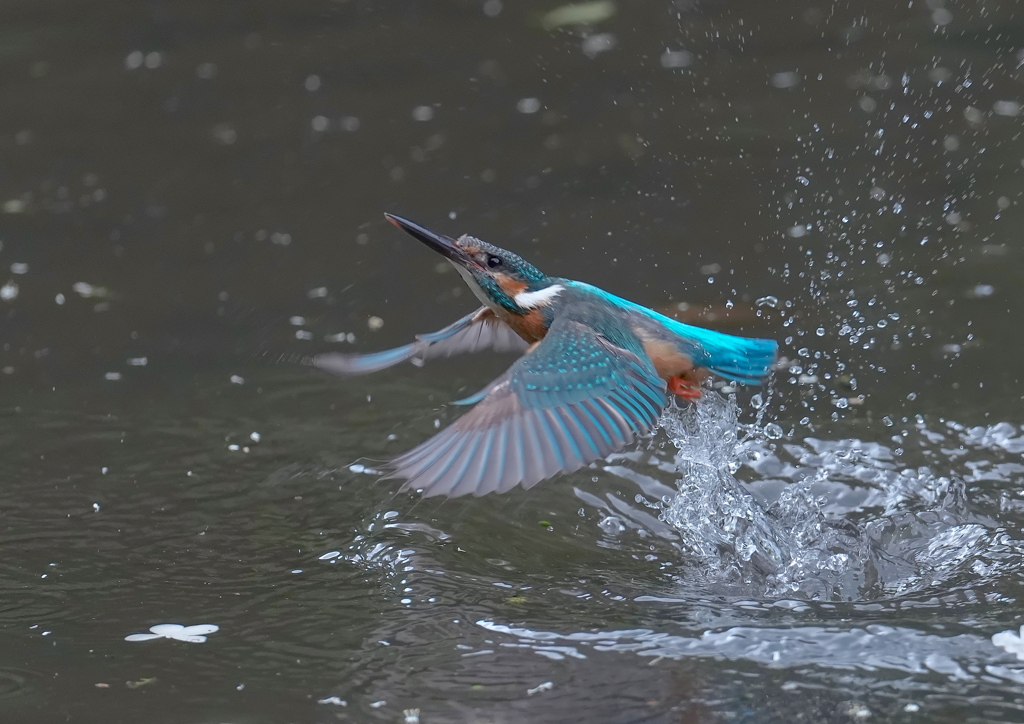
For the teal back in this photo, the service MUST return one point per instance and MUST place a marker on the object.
(743, 359)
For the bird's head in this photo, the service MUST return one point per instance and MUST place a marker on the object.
(499, 278)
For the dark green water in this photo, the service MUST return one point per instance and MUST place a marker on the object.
(191, 198)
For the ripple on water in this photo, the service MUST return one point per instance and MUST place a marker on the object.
(875, 648)
(17, 683)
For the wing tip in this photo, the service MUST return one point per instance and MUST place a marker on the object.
(348, 365)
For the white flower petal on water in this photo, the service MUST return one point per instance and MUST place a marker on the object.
(195, 634)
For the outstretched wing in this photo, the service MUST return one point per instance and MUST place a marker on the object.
(575, 399)
(474, 332)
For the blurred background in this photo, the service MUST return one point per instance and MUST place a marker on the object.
(191, 199)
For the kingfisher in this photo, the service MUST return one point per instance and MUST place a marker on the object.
(595, 374)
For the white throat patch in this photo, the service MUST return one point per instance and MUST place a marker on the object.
(540, 298)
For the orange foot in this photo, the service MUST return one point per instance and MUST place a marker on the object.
(684, 387)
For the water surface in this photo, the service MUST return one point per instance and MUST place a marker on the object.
(192, 198)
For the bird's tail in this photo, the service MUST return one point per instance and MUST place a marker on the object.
(743, 359)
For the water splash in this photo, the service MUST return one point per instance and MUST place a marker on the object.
(788, 547)
(825, 520)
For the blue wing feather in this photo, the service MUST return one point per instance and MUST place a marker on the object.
(498, 466)
(576, 398)
(474, 332)
(474, 477)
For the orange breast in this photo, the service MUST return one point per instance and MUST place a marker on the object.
(528, 326)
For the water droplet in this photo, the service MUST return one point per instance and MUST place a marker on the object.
(676, 59)
(528, 105)
(422, 113)
(611, 525)
(786, 79)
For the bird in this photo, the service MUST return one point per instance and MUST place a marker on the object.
(594, 375)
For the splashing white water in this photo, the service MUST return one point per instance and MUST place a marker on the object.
(827, 520)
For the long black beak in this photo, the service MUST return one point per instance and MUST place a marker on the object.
(443, 245)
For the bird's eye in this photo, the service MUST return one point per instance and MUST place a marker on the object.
(493, 261)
